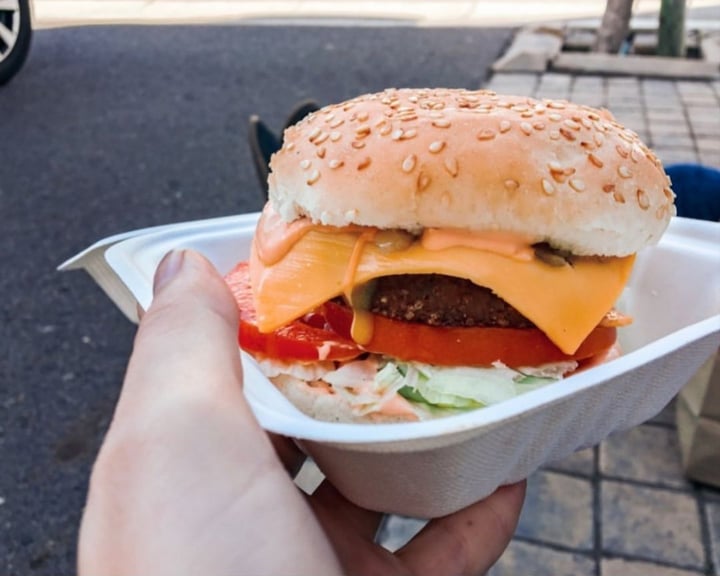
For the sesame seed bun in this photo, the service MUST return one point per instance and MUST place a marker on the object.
(410, 159)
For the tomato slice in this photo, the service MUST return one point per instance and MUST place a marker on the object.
(307, 339)
(477, 346)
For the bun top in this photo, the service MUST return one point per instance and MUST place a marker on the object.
(560, 172)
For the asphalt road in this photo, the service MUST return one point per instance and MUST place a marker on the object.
(111, 129)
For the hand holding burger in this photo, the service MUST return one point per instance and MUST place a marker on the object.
(425, 252)
(187, 482)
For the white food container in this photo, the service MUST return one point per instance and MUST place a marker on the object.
(429, 469)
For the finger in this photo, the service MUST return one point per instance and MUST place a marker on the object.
(290, 455)
(186, 345)
(351, 531)
(337, 511)
(469, 541)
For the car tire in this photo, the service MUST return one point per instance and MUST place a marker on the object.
(15, 39)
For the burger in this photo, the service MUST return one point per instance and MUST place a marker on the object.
(429, 251)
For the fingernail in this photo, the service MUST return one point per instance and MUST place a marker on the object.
(168, 268)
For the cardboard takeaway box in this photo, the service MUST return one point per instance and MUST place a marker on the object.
(432, 468)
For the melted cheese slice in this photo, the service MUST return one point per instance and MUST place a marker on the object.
(565, 302)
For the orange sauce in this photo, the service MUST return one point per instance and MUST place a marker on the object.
(275, 237)
(516, 246)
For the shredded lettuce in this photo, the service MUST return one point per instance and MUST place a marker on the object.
(464, 387)
(369, 384)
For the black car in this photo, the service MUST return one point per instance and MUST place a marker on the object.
(15, 36)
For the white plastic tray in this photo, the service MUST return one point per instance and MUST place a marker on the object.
(432, 468)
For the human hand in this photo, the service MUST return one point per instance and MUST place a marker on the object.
(187, 482)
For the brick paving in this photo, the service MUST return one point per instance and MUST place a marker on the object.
(623, 508)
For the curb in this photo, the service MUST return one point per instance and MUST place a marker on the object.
(540, 49)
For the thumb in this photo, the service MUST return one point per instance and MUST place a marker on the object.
(186, 344)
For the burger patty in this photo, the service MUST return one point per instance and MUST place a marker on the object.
(440, 300)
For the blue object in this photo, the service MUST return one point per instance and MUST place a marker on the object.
(698, 191)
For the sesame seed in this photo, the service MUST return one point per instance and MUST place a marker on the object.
(548, 187)
(624, 171)
(642, 198)
(451, 166)
(586, 123)
(595, 160)
(321, 138)
(423, 181)
(364, 163)
(335, 163)
(628, 136)
(567, 134)
(320, 152)
(554, 135)
(599, 139)
(636, 153)
(313, 177)
(527, 114)
(571, 124)
(555, 117)
(335, 136)
(436, 146)
(555, 104)
(397, 134)
(619, 198)
(362, 131)
(555, 166)
(511, 184)
(622, 150)
(409, 163)
(337, 122)
(669, 194)
(409, 133)
(539, 126)
(607, 188)
(486, 134)
(363, 116)
(660, 212)
(314, 133)
(357, 144)
(441, 123)
(305, 164)
(289, 145)
(526, 128)
(504, 126)
(587, 145)
(577, 184)
(593, 116)
(330, 116)
(385, 130)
